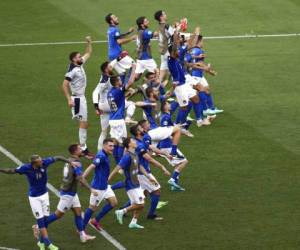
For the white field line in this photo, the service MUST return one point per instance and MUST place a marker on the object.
(7, 248)
(105, 234)
(246, 36)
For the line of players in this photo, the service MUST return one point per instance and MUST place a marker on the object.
(183, 58)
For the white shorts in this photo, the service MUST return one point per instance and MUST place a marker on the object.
(143, 65)
(102, 194)
(79, 111)
(164, 61)
(136, 196)
(118, 129)
(184, 93)
(201, 80)
(122, 65)
(160, 133)
(191, 80)
(40, 205)
(174, 162)
(67, 202)
(146, 184)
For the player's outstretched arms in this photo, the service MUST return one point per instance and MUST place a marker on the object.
(160, 152)
(8, 170)
(114, 172)
(64, 159)
(88, 48)
(145, 104)
(156, 164)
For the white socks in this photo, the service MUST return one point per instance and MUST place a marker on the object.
(130, 109)
(82, 137)
(134, 221)
(102, 137)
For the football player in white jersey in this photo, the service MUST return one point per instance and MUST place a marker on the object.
(74, 86)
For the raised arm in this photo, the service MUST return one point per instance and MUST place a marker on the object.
(8, 170)
(88, 48)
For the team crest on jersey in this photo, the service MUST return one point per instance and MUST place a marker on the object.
(97, 160)
(42, 170)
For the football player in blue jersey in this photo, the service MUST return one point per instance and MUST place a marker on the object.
(101, 168)
(37, 177)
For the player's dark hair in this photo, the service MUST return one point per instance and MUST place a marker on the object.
(126, 142)
(149, 91)
(157, 15)
(108, 18)
(199, 38)
(114, 80)
(134, 130)
(104, 66)
(148, 74)
(140, 21)
(162, 105)
(142, 122)
(72, 148)
(72, 55)
(107, 140)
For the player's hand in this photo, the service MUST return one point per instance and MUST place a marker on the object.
(94, 192)
(169, 156)
(71, 103)
(88, 39)
(155, 34)
(131, 29)
(133, 37)
(166, 172)
(99, 112)
(197, 30)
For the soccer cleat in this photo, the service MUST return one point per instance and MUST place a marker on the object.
(177, 156)
(187, 133)
(135, 225)
(154, 217)
(41, 245)
(204, 122)
(95, 224)
(173, 183)
(52, 247)
(128, 120)
(36, 231)
(190, 118)
(119, 214)
(211, 117)
(85, 237)
(217, 111)
(161, 204)
(212, 111)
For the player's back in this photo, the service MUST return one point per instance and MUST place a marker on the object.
(102, 171)
(131, 170)
(70, 182)
(116, 99)
(195, 52)
(143, 44)
(114, 48)
(176, 70)
(165, 121)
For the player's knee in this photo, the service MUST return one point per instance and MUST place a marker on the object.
(94, 208)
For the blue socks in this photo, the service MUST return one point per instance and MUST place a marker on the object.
(203, 100)
(46, 241)
(175, 176)
(210, 102)
(127, 204)
(198, 109)
(87, 216)
(174, 150)
(174, 106)
(103, 212)
(79, 223)
(51, 218)
(118, 185)
(154, 201)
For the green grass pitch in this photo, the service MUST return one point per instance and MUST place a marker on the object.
(242, 183)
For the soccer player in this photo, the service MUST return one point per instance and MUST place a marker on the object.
(120, 60)
(68, 192)
(101, 104)
(166, 146)
(165, 35)
(75, 80)
(148, 182)
(198, 56)
(129, 164)
(144, 56)
(36, 173)
(101, 167)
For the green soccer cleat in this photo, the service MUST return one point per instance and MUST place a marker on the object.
(52, 247)
(174, 184)
(119, 214)
(161, 204)
(41, 245)
(135, 225)
(175, 189)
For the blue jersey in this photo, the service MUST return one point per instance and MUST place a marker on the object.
(177, 71)
(143, 44)
(129, 163)
(196, 52)
(114, 49)
(37, 177)
(182, 50)
(142, 148)
(102, 170)
(165, 121)
(116, 100)
(150, 113)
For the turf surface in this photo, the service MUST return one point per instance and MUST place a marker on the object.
(242, 180)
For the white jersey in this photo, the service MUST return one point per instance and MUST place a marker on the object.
(77, 78)
(101, 91)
